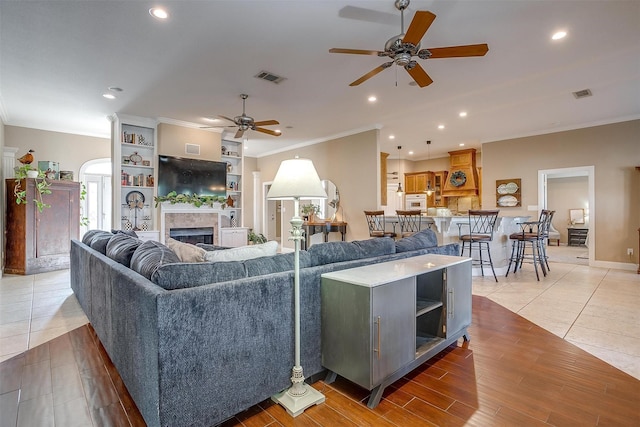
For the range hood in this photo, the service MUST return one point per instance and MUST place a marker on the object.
(462, 180)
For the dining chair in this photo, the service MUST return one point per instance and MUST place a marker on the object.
(376, 224)
(410, 221)
(477, 234)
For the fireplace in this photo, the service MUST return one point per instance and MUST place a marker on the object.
(192, 234)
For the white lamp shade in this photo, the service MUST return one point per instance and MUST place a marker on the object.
(296, 178)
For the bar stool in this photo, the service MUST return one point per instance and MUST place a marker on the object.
(376, 224)
(535, 233)
(481, 224)
(410, 222)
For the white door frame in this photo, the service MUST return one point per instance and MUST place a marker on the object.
(588, 171)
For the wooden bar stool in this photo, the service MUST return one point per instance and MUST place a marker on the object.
(376, 224)
(410, 222)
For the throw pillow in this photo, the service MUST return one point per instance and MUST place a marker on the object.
(243, 252)
(121, 247)
(423, 239)
(149, 256)
(100, 240)
(86, 239)
(186, 251)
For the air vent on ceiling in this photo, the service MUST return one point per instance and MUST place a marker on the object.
(270, 77)
(192, 149)
(582, 93)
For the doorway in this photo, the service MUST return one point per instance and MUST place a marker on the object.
(545, 178)
(96, 206)
(272, 216)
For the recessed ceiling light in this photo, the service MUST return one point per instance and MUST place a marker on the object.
(109, 95)
(115, 89)
(440, 126)
(392, 137)
(211, 119)
(411, 153)
(372, 98)
(461, 144)
(559, 35)
(463, 114)
(288, 127)
(158, 12)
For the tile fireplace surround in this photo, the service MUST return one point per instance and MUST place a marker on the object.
(182, 215)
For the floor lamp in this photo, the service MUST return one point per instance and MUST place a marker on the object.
(296, 179)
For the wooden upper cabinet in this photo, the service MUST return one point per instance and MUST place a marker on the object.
(415, 182)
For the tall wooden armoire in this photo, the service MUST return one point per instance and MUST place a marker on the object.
(41, 241)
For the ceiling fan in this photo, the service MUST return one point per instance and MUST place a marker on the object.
(402, 48)
(244, 122)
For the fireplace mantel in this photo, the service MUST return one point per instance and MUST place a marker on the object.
(186, 214)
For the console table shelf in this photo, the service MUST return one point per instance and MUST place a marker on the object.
(381, 321)
(577, 236)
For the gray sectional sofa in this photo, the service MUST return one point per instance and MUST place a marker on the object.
(196, 343)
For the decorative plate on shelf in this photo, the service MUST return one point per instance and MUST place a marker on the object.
(135, 158)
(511, 187)
(508, 201)
(135, 199)
(502, 189)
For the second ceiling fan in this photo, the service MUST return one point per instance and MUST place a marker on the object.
(244, 123)
(402, 48)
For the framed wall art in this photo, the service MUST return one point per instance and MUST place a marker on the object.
(508, 192)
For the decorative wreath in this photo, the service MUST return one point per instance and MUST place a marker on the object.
(457, 178)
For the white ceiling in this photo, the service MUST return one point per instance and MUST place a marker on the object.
(57, 58)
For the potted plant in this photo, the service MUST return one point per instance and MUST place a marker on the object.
(256, 238)
(194, 199)
(42, 186)
(309, 211)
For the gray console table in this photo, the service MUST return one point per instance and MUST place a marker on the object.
(383, 320)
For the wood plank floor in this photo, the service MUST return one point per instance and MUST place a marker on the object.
(512, 373)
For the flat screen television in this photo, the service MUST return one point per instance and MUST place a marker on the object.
(191, 176)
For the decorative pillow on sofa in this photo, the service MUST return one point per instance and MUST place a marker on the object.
(100, 240)
(149, 256)
(86, 239)
(121, 247)
(330, 252)
(186, 251)
(420, 240)
(243, 252)
(127, 232)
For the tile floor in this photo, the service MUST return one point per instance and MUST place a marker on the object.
(596, 309)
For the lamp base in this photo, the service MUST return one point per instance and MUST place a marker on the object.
(296, 404)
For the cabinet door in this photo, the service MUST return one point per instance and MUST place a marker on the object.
(392, 327)
(421, 182)
(410, 184)
(458, 298)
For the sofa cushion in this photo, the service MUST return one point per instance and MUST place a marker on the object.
(121, 247)
(188, 275)
(423, 239)
(127, 232)
(375, 247)
(330, 252)
(99, 241)
(243, 252)
(186, 251)
(149, 256)
(210, 247)
(275, 264)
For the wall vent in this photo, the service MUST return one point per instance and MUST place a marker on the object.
(192, 149)
(582, 93)
(270, 77)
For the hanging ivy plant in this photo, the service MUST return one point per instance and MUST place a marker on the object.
(42, 187)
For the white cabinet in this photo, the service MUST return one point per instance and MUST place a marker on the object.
(233, 236)
(381, 321)
(134, 150)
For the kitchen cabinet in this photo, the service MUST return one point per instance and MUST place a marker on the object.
(381, 321)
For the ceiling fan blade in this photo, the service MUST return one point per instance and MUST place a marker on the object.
(355, 51)
(459, 51)
(369, 15)
(420, 75)
(266, 123)
(419, 25)
(239, 133)
(372, 73)
(227, 118)
(268, 131)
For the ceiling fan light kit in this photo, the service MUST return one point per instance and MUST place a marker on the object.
(402, 48)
